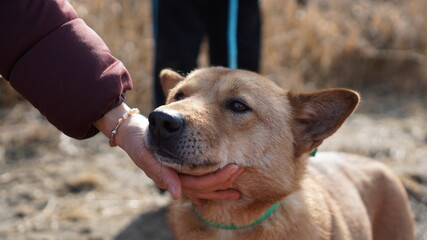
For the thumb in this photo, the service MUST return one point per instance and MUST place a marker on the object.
(170, 179)
(164, 177)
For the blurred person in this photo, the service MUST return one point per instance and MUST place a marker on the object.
(65, 70)
(232, 27)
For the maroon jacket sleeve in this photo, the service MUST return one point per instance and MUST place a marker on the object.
(59, 64)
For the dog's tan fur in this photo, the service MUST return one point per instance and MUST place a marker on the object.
(330, 196)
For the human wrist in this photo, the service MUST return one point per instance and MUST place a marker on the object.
(115, 124)
(131, 130)
(109, 120)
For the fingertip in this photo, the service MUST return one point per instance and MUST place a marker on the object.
(240, 170)
(233, 177)
(230, 169)
(173, 183)
(233, 168)
(174, 191)
(228, 194)
(235, 195)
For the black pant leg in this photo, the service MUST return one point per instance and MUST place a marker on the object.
(217, 22)
(248, 33)
(178, 31)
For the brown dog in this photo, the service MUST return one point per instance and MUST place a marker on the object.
(217, 116)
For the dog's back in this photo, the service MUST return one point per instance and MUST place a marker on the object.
(342, 196)
(365, 194)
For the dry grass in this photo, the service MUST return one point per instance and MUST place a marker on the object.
(377, 45)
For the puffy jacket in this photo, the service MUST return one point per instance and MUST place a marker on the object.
(59, 64)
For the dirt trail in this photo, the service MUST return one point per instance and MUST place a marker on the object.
(53, 187)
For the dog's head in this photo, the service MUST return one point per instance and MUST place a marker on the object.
(216, 116)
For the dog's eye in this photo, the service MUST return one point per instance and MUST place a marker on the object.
(179, 96)
(238, 107)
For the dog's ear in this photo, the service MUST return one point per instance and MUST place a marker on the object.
(169, 79)
(319, 114)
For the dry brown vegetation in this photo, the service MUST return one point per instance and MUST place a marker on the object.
(53, 187)
(364, 44)
(368, 44)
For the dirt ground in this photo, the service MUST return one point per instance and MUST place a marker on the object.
(53, 187)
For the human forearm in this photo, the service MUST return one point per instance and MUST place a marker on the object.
(60, 65)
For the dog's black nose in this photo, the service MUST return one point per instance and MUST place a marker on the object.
(165, 123)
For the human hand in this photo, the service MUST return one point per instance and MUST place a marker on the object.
(201, 187)
(212, 186)
(130, 138)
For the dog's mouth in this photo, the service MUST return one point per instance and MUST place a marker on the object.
(186, 166)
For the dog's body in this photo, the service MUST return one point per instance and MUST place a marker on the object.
(218, 116)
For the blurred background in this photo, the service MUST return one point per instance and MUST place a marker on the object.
(54, 187)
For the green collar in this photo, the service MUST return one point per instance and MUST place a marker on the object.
(313, 153)
(233, 226)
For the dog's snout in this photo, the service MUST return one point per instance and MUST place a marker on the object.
(165, 124)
